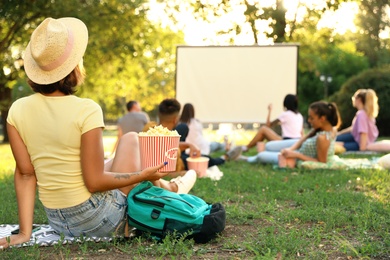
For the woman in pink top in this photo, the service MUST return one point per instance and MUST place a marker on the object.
(363, 130)
(291, 122)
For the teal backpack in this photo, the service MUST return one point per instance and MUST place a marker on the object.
(160, 212)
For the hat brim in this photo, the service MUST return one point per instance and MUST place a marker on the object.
(39, 76)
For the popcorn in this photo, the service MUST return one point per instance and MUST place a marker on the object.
(158, 145)
(159, 130)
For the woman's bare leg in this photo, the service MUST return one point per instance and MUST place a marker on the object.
(171, 186)
(264, 133)
(127, 157)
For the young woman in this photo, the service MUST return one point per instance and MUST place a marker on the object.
(184, 129)
(57, 142)
(318, 145)
(195, 133)
(291, 122)
(363, 130)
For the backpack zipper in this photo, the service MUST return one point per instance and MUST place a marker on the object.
(160, 204)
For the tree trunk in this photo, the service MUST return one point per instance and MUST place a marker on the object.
(5, 101)
(4, 114)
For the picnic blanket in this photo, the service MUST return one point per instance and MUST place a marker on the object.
(344, 163)
(47, 236)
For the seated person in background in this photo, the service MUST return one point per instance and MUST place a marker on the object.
(195, 134)
(363, 130)
(318, 145)
(291, 122)
(133, 121)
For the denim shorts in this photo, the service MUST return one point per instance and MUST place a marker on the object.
(102, 215)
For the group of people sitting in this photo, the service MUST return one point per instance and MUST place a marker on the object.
(317, 145)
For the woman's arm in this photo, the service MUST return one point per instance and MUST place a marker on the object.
(323, 144)
(268, 120)
(25, 187)
(345, 130)
(194, 150)
(322, 151)
(298, 144)
(363, 141)
(92, 164)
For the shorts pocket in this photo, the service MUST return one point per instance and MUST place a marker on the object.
(103, 229)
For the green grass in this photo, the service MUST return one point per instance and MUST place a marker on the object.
(271, 213)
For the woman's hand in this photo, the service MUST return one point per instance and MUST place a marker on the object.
(13, 240)
(194, 151)
(288, 153)
(152, 173)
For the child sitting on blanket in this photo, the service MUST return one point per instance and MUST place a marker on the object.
(317, 145)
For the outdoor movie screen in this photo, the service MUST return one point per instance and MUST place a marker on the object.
(235, 84)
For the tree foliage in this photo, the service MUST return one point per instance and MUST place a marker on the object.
(128, 57)
(373, 20)
(17, 17)
(256, 14)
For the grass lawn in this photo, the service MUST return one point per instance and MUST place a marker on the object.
(271, 214)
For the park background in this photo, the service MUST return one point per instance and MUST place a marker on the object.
(272, 213)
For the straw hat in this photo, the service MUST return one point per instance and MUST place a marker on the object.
(55, 48)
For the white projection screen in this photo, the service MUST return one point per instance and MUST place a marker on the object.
(235, 84)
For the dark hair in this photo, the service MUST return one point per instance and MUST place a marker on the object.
(329, 110)
(66, 85)
(291, 103)
(167, 108)
(187, 114)
(130, 104)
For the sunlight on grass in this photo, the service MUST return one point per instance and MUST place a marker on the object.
(7, 163)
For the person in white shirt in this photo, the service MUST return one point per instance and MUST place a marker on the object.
(195, 133)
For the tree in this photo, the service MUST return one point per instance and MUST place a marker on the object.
(17, 17)
(373, 20)
(279, 27)
(127, 54)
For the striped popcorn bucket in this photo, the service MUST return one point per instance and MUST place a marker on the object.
(155, 150)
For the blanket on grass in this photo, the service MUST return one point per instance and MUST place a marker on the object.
(344, 163)
(45, 235)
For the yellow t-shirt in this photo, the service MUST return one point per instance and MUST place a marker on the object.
(51, 128)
